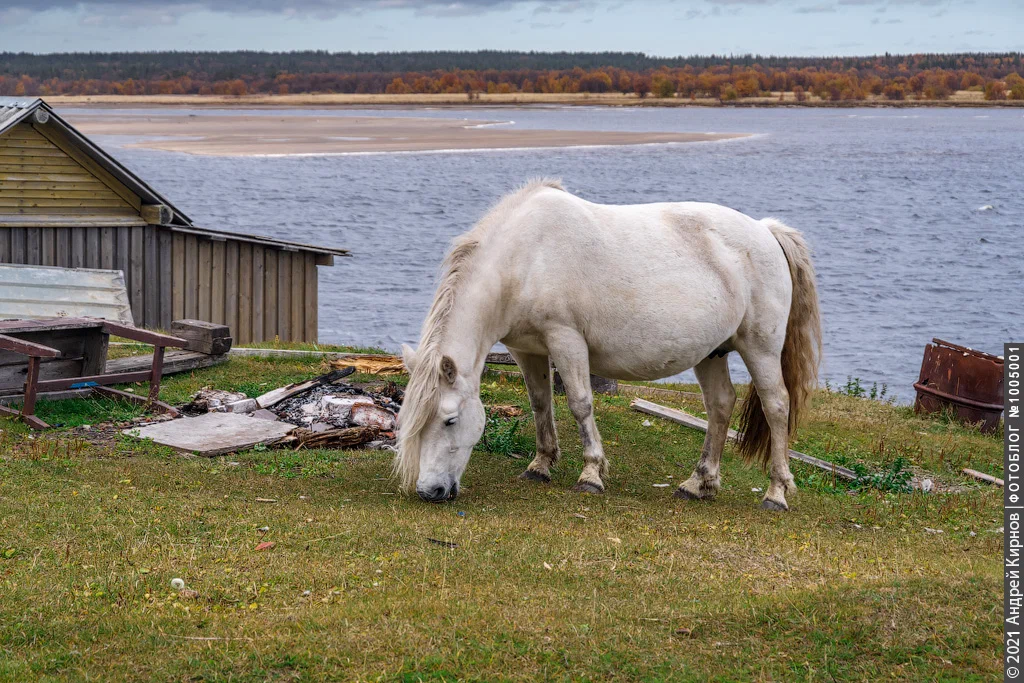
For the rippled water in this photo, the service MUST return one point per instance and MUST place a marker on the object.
(889, 199)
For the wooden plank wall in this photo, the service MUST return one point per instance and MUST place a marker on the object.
(39, 177)
(261, 293)
(119, 248)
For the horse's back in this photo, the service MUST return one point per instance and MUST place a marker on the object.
(653, 288)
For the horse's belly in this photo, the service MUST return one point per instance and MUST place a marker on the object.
(650, 363)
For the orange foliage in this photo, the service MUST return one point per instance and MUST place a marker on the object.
(830, 80)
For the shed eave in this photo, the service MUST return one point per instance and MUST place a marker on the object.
(272, 242)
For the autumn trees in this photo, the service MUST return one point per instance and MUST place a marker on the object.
(892, 77)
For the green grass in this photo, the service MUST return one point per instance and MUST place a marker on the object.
(544, 584)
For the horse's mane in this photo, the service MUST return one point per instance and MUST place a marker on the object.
(423, 391)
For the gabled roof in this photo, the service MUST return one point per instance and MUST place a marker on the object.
(14, 110)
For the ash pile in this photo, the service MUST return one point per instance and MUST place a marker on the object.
(331, 409)
(327, 412)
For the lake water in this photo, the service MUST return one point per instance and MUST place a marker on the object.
(916, 216)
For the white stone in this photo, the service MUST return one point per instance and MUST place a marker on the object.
(339, 408)
(372, 415)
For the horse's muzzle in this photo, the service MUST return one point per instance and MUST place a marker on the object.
(439, 494)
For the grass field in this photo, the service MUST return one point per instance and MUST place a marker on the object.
(541, 584)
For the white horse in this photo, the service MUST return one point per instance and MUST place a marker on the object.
(627, 292)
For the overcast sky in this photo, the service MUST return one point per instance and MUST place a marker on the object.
(658, 27)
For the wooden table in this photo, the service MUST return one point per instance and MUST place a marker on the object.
(70, 353)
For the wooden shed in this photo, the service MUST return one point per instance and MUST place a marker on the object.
(65, 202)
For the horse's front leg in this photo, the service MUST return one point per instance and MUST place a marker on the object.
(537, 373)
(572, 358)
(719, 398)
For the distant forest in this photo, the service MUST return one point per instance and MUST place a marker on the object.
(896, 77)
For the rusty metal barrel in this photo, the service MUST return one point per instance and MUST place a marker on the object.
(964, 382)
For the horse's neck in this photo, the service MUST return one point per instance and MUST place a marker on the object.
(473, 325)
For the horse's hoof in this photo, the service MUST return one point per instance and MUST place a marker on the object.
(534, 475)
(768, 504)
(685, 494)
(588, 487)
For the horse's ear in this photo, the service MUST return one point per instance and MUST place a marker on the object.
(409, 357)
(448, 370)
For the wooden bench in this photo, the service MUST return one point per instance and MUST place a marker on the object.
(70, 353)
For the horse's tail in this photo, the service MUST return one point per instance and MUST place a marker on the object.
(801, 351)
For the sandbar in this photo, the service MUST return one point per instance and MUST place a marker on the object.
(273, 135)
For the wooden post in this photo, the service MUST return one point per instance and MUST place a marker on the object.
(29, 406)
(156, 373)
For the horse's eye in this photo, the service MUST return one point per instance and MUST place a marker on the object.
(450, 421)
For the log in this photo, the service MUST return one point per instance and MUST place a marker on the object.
(209, 338)
(687, 420)
(335, 438)
(981, 476)
(379, 365)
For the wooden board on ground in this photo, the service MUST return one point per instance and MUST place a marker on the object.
(174, 361)
(981, 476)
(214, 433)
(683, 418)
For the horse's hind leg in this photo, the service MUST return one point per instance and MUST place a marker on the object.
(537, 372)
(766, 373)
(719, 399)
(572, 358)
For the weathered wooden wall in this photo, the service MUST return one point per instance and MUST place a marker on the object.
(261, 293)
(42, 176)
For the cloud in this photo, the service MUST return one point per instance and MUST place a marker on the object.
(14, 15)
(97, 10)
(567, 7)
(816, 9)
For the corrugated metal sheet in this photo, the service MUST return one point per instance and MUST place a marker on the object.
(48, 292)
(14, 109)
